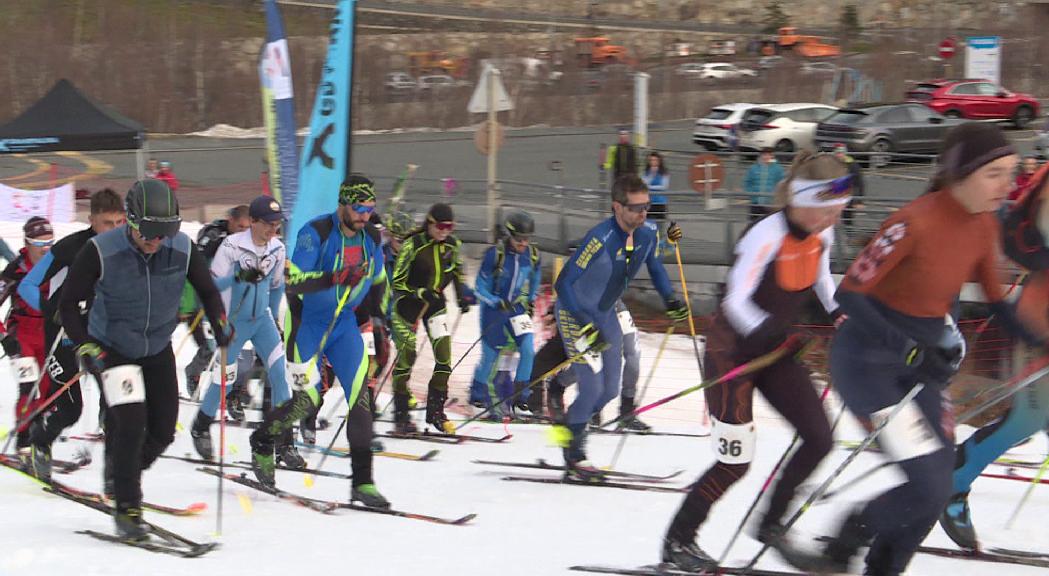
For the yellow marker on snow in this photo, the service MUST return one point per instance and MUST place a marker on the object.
(307, 479)
(245, 502)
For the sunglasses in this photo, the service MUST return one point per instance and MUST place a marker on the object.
(638, 208)
(154, 228)
(362, 208)
(445, 225)
(40, 243)
(520, 237)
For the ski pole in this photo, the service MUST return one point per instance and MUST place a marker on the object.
(596, 348)
(497, 322)
(1034, 371)
(648, 380)
(324, 455)
(43, 406)
(765, 487)
(21, 420)
(192, 326)
(791, 345)
(418, 351)
(222, 438)
(1027, 493)
(688, 306)
(871, 436)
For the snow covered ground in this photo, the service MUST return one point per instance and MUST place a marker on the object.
(521, 528)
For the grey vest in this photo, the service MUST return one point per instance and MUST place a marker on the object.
(137, 296)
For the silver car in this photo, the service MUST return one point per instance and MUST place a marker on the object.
(878, 131)
(718, 129)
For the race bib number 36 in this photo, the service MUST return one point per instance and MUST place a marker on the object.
(522, 324)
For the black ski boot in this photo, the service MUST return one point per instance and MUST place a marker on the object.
(577, 467)
(435, 415)
(200, 431)
(287, 454)
(402, 419)
(235, 407)
(128, 519)
(520, 404)
(630, 423)
(197, 365)
(774, 534)
(957, 522)
(40, 452)
(263, 463)
(308, 425)
(852, 536)
(363, 488)
(686, 556)
(535, 400)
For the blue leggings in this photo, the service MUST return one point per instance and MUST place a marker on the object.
(264, 336)
(483, 386)
(1028, 414)
(594, 389)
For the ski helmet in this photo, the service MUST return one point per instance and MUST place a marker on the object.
(519, 223)
(356, 188)
(152, 209)
(399, 224)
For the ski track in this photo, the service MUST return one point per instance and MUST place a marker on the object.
(521, 528)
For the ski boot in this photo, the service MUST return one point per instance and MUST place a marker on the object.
(435, 415)
(402, 420)
(263, 463)
(197, 365)
(235, 407)
(520, 403)
(535, 401)
(957, 522)
(773, 534)
(363, 488)
(201, 434)
(128, 519)
(287, 454)
(308, 431)
(630, 423)
(577, 467)
(368, 495)
(686, 556)
(852, 536)
(40, 452)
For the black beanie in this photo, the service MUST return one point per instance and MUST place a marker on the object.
(969, 146)
(441, 212)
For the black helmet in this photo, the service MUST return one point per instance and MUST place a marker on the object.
(152, 209)
(519, 223)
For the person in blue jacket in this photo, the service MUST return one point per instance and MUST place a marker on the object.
(506, 286)
(760, 183)
(593, 280)
(337, 259)
(248, 269)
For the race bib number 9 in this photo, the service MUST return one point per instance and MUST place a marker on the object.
(123, 385)
(522, 324)
(437, 326)
(626, 322)
(26, 369)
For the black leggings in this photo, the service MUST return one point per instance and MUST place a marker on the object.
(138, 433)
(787, 387)
(68, 406)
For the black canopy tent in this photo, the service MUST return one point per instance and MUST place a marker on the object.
(67, 120)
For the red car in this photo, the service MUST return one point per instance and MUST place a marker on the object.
(975, 100)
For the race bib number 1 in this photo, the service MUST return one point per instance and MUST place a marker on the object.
(522, 324)
(437, 327)
(626, 322)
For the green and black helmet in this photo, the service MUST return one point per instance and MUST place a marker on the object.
(400, 224)
(152, 209)
(519, 224)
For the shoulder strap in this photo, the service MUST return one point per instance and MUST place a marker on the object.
(323, 226)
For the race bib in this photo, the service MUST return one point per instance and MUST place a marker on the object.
(733, 443)
(26, 369)
(437, 326)
(303, 375)
(123, 385)
(593, 359)
(522, 324)
(908, 435)
(369, 342)
(626, 322)
(208, 333)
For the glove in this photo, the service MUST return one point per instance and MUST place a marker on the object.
(530, 308)
(934, 365)
(91, 358)
(676, 311)
(250, 275)
(11, 346)
(347, 276)
(223, 332)
(506, 306)
(674, 232)
(464, 305)
(591, 336)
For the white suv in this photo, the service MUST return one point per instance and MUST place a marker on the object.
(713, 131)
(785, 128)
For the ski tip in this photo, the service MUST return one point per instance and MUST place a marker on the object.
(464, 519)
(429, 455)
(197, 507)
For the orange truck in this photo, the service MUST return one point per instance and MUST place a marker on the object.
(806, 46)
(434, 62)
(597, 51)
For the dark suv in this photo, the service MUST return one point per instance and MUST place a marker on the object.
(882, 129)
(975, 100)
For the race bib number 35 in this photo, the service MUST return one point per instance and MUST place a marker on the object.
(522, 324)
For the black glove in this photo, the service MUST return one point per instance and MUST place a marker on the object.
(934, 365)
(592, 336)
(506, 306)
(464, 305)
(676, 310)
(250, 275)
(674, 232)
(530, 308)
(11, 346)
(223, 333)
(91, 358)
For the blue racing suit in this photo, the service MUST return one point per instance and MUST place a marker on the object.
(506, 286)
(251, 280)
(588, 288)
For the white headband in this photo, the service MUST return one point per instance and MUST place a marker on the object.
(817, 193)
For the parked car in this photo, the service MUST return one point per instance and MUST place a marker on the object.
(725, 70)
(818, 68)
(769, 62)
(783, 127)
(434, 83)
(399, 83)
(713, 130)
(884, 129)
(976, 100)
(690, 69)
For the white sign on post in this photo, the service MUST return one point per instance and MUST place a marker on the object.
(983, 58)
(641, 109)
(479, 101)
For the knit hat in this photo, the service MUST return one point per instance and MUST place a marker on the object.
(440, 212)
(38, 226)
(969, 146)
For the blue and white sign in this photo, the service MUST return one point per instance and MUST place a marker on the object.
(983, 58)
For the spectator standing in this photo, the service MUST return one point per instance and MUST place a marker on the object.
(760, 183)
(621, 157)
(841, 151)
(166, 175)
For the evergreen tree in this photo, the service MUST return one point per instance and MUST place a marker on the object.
(775, 17)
